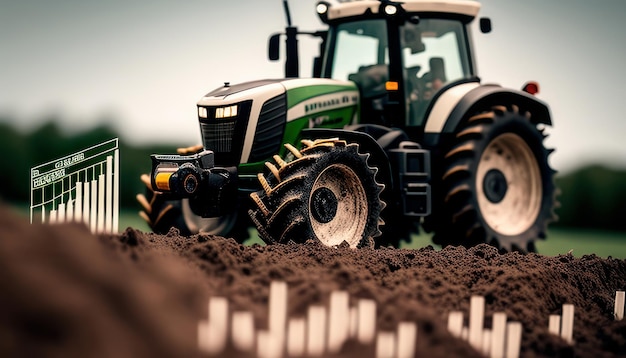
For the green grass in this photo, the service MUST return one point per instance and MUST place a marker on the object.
(131, 218)
(584, 242)
(560, 240)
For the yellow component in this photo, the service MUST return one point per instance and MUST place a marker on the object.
(391, 86)
(162, 181)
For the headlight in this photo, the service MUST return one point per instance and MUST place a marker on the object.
(322, 11)
(202, 112)
(391, 10)
(226, 112)
(322, 8)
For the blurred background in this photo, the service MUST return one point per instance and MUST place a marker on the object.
(74, 73)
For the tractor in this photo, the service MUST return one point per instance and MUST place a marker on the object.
(394, 132)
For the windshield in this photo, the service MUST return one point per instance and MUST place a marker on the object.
(361, 54)
(433, 53)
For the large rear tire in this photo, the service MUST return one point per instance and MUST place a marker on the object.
(498, 186)
(326, 192)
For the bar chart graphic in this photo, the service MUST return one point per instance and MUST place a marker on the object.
(80, 187)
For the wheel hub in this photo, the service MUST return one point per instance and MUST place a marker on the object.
(508, 183)
(338, 206)
(495, 186)
(323, 205)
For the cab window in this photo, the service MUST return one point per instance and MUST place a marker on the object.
(434, 54)
(361, 55)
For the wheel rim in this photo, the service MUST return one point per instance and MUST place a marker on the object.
(508, 183)
(338, 206)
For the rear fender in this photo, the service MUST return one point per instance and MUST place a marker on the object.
(481, 98)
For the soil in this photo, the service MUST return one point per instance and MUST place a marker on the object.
(67, 293)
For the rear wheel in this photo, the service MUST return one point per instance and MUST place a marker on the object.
(498, 186)
(326, 192)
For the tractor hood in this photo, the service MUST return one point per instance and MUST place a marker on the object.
(305, 97)
(249, 122)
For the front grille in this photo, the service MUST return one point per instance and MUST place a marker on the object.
(218, 136)
(225, 136)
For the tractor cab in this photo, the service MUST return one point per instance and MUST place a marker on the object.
(401, 55)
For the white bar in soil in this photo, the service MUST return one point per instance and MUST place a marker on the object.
(204, 337)
(43, 214)
(61, 213)
(554, 324)
(316, 331)
(116, 192)
(354, 322)
(498, 335)
(465, 334)
(218, 322)
(385, 345)
(476, 319)
(296, 333)
(567, 323)
(278, 309)
(619, 305)
(366, 330)
(486, 346)
(53, 216)
(407, 336)
(338, 320)
(242, 331)
(78, 203)
(455, 323)
(209, 338)
(94, 206)
(513, 339)
(101, 203)
(268, 346)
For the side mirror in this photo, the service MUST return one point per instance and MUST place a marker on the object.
(485, 25)
(274, 47)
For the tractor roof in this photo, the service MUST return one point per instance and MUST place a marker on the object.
(338, 9)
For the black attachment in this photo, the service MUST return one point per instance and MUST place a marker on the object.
(211, 190)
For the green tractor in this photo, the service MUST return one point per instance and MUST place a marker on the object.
(395, 131)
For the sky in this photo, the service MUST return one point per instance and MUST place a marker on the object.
(141, 66)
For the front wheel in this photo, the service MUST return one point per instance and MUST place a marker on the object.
(327, 193)
(498, 186)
